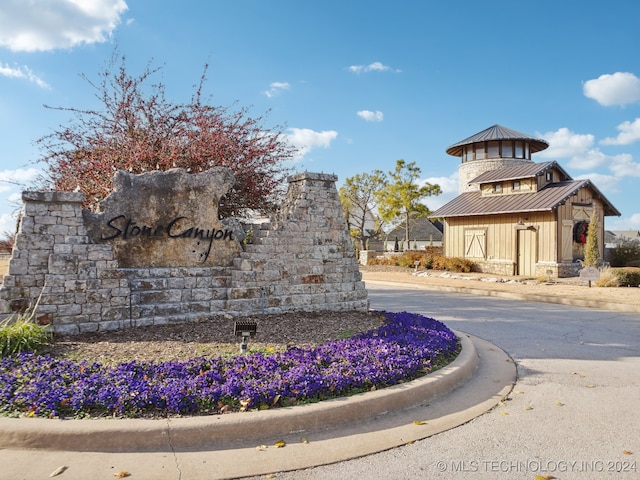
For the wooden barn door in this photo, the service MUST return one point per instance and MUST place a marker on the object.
(527, 252)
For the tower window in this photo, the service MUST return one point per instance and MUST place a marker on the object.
(493, 149)
(516, 185)
(519, 150)
(468, 152)
(507, 149)
(497, 188)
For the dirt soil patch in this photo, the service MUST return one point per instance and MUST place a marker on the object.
(212, 337)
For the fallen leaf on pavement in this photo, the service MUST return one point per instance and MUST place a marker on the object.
(58, 471)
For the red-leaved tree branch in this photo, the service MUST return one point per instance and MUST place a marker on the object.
(139, 130)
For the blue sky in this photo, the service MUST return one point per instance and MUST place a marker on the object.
(357, 84)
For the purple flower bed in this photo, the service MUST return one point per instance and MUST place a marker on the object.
(402, 349)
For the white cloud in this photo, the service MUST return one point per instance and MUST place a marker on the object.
(372, 67)
(629, 133)
(604, 183)
(305, 139)
(22, 72)
(276, 88)
(564, 143)
(624, 166)
(19, 176)
(7, 223)
(370, 116)
(42, 25)
(449, 187)
(628, 223)
(12, 182)
(619, 88)
(590, 159)
(15, 197)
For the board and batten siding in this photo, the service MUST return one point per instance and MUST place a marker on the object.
(500, 236)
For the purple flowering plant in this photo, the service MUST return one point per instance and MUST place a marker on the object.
(406, 346)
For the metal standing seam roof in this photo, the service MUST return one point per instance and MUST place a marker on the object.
(547, 199)
(498, 132)
(518, 172)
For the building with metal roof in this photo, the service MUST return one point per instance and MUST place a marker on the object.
(423, 232)
(514, 216)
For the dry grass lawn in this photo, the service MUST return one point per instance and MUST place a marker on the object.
(570, 290)
(4, 264)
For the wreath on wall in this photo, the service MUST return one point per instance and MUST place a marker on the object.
(580, 232)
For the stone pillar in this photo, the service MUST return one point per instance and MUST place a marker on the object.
(49, 228)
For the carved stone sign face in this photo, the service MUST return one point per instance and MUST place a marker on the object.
(166, 219)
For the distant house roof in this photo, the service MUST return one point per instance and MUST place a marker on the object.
(419, 229)
(498, 132)
(547, 199)
(625, 234)
(519, 172)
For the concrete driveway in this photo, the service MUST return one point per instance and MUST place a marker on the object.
(573, 414)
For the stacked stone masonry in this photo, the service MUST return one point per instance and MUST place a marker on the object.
(303, 260)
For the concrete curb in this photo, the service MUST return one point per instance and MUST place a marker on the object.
(573, 302)
(121, 435)
(493, 375)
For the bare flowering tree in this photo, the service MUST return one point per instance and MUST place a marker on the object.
(138, 131)
(359, 202)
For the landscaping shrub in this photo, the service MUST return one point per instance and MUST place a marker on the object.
(22, 335)
(607, 278)
(627, 276)
(409, 258)
(382, 261)
(427, 260)
(626, 254)
(452, 264)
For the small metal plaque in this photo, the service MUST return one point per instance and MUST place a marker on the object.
(590, 274)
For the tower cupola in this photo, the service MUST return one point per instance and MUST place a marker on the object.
(493, 148)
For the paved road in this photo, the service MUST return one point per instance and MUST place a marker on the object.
(573, 414)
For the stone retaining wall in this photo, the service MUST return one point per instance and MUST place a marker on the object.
(302, 260)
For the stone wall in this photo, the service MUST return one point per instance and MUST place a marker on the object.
(467, 171)
(302, 260)
(542, 269)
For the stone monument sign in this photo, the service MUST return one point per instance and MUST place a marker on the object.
(157, 252)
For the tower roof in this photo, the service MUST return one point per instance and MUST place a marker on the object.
(498, 132)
